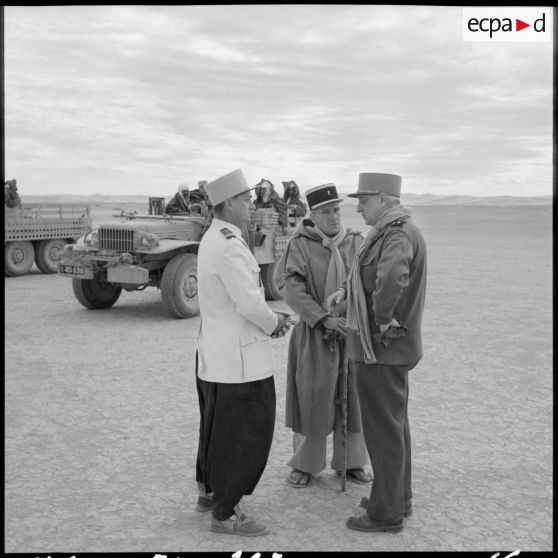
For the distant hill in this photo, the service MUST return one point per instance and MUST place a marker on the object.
(103, 200)
(432, 199)
(96, 199)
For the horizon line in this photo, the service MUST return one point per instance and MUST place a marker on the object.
(340, 192)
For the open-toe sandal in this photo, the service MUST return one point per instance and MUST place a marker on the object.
(299, 479)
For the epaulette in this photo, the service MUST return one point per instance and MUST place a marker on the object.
(398, 223)
(227, 233)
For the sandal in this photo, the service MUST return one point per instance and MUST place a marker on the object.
(357, 475)
(299, 479)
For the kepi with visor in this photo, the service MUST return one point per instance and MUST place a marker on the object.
(321, 195)
(227, 186)
(378, 183)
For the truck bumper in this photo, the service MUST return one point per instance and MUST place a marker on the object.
(85, 266)
(131, 274)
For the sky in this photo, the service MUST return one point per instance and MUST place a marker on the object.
(136, 99)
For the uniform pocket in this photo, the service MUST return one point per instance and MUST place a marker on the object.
(256, 352)
(370, 256)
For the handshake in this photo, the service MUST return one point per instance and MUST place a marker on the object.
(284, 323)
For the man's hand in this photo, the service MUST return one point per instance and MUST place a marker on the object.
(283, 325)
(385, 327)
(335, 298)
(336, 324)
(339, 309)
(389, 332)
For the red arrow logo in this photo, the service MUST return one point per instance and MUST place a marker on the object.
(519, 25)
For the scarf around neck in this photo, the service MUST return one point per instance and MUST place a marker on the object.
(357, 313)
(336, 273)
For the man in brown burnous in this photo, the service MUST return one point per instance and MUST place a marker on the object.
(385, 294)
(314, 265)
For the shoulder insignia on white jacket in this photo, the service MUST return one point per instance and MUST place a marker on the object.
(227, 233)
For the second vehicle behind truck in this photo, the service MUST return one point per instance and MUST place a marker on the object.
(38, 233)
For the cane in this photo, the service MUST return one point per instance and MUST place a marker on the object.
(343, 379)
(338, 344)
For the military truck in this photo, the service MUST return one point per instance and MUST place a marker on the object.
(38, 234)
(159, 250)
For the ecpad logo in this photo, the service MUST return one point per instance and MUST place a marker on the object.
(507, 24)
(495, 24)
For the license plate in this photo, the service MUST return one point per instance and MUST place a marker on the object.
(78, 270)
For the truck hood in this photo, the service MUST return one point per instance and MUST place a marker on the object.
(190, 228)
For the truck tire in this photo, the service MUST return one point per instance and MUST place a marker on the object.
(179, 286)
(95, 294)
(18, 257)
(268, 282)
(47, 254)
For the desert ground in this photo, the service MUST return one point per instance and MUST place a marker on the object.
(101, 416)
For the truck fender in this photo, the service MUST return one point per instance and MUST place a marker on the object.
(171, 248)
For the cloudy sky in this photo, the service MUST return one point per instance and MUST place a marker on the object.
(137, 99)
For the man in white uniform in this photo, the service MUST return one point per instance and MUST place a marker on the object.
(235, 381)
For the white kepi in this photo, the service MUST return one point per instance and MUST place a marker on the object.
(227, 186)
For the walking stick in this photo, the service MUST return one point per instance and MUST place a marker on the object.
(337, 343)
(343, 379)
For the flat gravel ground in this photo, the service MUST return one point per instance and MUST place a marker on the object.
(101, 413)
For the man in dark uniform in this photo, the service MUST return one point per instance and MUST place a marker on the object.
(385, 299)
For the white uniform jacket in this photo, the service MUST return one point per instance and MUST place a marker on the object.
(235, 321)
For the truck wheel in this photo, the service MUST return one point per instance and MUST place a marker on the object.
(18, 257)
(48, 253)
(95, 294)
(179, 286)
(270, 287)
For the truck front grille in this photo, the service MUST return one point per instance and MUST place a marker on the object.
(121, 240)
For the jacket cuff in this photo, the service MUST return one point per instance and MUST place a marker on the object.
(318, 319)
(383, 320)
(270, 326)
(321, 321)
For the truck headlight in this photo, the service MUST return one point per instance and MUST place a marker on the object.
(148, 240)
(92, 238)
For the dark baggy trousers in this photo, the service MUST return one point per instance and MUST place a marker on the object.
(236, 430)
(383, 392)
